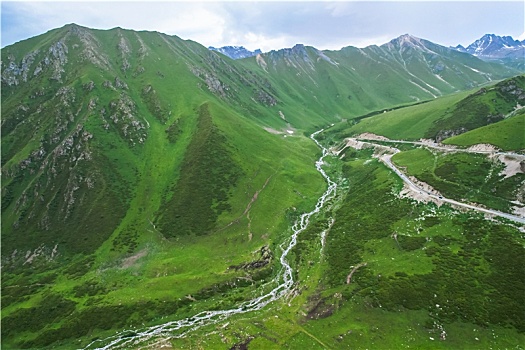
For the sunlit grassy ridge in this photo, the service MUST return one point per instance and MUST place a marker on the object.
(508, 134)
(449, 115)
(410, 123)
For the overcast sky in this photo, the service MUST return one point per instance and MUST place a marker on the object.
(272, 25)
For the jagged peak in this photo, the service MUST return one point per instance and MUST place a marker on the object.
(406, 40)
(73, 25)
(297, 48)
(492, 45)
(235, 47)
(235, 52)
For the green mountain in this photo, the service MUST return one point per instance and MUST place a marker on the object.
(146, 178)
(491, 115)
(347, 83)
(120, 146)
(507, 134)
(448, 116)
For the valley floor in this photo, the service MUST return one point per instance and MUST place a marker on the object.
(376, 269)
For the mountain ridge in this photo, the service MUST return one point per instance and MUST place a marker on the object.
(489, 46)
(74, 63)
(494, 46)
(235, 52)
(504, 49)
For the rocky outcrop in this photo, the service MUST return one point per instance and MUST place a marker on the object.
(265, 98)
(265, 259)
(512, 87)
(445, 134)
(123, 114)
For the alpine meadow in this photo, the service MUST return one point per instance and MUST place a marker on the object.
(160, 194)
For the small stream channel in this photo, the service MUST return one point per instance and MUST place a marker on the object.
(132, 338)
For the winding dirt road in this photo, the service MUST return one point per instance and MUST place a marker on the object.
(386, 158)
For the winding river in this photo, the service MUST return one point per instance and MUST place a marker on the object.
(284, 280)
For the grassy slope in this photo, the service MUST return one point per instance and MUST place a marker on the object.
(444, 116)
(486, 106)
(409, 123)
(442, 274)
(508, 134)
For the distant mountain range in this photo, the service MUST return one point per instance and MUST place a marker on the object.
(492, 47)
(489, 47)
(235, 52)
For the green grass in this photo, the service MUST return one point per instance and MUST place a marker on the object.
(508, 134)
(440, 277)
(462, 176)
(410, 123)
(485, 107)
(447, 116)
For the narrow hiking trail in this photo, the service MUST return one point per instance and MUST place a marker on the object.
(176, 329)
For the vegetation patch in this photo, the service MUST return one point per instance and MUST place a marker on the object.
(460, 283)
(173, 131)
(51, 308)
(463, 176)
(208, 172)
(506, 134)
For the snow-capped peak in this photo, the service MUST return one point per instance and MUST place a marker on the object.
(494, 46)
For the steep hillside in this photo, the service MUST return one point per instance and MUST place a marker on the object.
(446, 116)
(507, 134)
(117, 144)
(84, 110)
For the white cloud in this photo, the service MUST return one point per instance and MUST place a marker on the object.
(254, 41)
(195, 22)
(272, 25)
